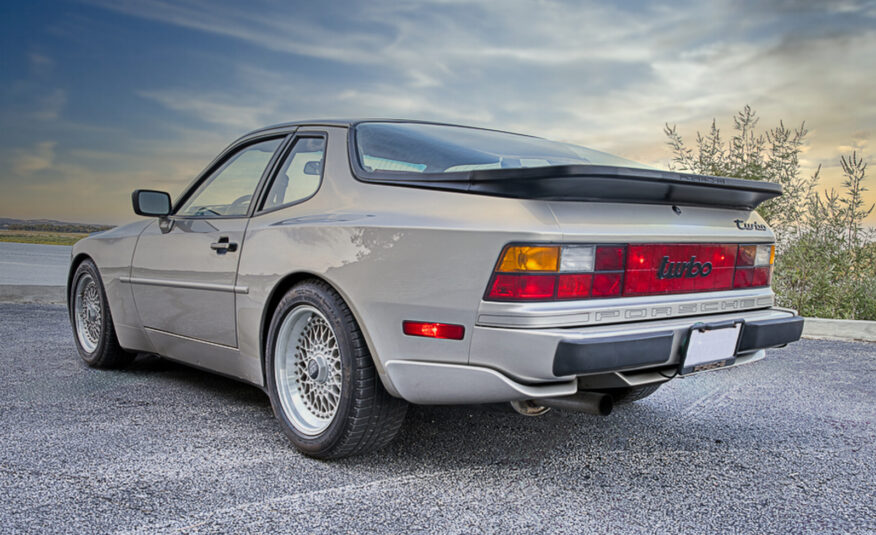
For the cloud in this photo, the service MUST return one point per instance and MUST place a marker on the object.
(277, 30)
(38, 158)
(212, 108)
(606, 75)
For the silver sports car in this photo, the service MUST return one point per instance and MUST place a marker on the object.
(351, 267)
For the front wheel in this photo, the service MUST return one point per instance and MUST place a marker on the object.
(92, 322)
(323, 385)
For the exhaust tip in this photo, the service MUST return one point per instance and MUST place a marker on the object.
(606, 405)
(589, 402)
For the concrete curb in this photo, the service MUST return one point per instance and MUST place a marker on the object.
(43, 295)
(840, 329)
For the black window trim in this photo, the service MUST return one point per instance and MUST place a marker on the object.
(286, 151)
(224, 156)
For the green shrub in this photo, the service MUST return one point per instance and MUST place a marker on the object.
(825, 258)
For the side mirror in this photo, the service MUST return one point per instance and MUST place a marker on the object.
(312, 168)
(151, 203)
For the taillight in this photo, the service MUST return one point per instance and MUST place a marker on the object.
(548, 272)
(557, 272)
(754, 266)
(660, 269)
(523, 286)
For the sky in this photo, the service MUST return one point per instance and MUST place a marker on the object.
(100, 97)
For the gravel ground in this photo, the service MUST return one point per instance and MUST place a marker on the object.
(781, 446)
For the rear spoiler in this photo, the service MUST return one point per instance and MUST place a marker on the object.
(593, 183)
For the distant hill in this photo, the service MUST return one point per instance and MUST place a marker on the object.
(49, 225)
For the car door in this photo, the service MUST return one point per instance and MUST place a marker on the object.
(184, 268)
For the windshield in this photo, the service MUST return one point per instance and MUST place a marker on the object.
(430, 148)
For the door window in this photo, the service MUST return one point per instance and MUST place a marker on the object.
(299, 176)
(229, 189)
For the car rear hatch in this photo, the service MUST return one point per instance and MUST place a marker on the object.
(670, 261)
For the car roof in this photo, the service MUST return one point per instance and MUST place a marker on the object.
(347, 123)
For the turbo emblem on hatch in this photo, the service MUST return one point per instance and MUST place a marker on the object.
(742, 225)
(687, 270)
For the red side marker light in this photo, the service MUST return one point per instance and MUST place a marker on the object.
(433, 330)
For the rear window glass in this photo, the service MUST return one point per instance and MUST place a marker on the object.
(394, 148)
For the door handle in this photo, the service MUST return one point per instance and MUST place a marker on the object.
(223, 246)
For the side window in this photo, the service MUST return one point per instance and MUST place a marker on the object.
(299, 176)
(229, 189)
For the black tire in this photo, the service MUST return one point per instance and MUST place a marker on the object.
(107, 353)
(367, 416)
(622, 396)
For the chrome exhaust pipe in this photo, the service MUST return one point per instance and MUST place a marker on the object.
(589, 402)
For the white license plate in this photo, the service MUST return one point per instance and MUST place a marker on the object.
(710, 348)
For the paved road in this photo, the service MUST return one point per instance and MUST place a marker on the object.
(787, 445)
(34, 264)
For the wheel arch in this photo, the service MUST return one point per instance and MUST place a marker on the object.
(276, 294)
(77, 260)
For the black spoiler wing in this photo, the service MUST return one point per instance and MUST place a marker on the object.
(594, 183)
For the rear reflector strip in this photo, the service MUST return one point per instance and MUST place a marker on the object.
(433, 330)
(668, 269)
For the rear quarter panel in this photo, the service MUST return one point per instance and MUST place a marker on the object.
(393, 254)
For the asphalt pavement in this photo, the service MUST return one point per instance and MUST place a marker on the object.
(786, 445)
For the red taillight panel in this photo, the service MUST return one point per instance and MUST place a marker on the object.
(610, 258)
(606, 284)
(746, 255)
(433, 330)
(522, 287)
(582, 271)
(654, 269)
(574, 286)
(752, 277)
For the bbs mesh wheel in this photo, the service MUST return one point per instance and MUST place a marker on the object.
(92, 322)
(323, 385)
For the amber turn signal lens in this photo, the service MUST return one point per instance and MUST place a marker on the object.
(529, 258)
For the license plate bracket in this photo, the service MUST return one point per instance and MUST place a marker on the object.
(710, 346)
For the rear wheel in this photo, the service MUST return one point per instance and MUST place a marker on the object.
(622, 396)
(321, 379)
(92, 322)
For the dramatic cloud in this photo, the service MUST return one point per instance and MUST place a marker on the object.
(168, 83)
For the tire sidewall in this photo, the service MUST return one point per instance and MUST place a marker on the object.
(329, 306)
(88, 268)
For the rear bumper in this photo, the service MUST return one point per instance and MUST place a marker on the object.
(528, 355)
(618, 353)
(507, 364)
